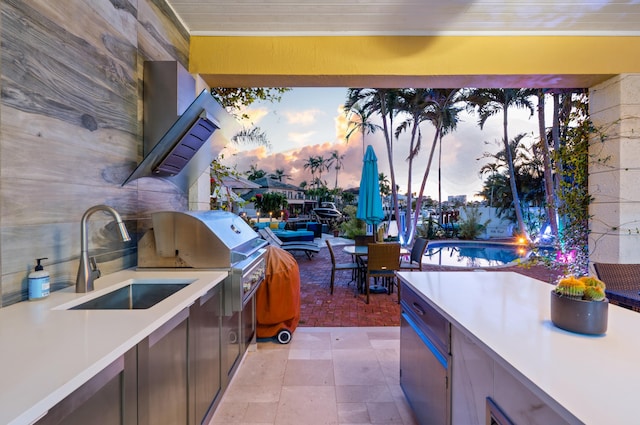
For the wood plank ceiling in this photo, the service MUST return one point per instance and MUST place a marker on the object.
(409, 17)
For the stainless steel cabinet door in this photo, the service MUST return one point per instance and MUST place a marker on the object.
(163, 374)
(109, 398)
(204, 324)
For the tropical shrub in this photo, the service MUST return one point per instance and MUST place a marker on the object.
(271, 202)
(471, 228)
(429, 229)
(354, 226)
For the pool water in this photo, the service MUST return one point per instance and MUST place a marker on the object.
(473, 254)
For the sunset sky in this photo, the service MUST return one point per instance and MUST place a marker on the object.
(310, 122)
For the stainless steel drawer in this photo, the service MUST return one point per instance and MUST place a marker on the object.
(436, 327)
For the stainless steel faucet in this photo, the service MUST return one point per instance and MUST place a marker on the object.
(88, 269)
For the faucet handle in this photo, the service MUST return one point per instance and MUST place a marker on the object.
(95, 272)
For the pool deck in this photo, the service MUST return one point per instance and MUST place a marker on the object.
(344, 308)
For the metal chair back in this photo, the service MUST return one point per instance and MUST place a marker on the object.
(363, 240)
(625, 277)
(383, 257)
(383, 260)
(352, 267)
(417, 252)
(622, 283)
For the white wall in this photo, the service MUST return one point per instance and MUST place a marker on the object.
(614, 172)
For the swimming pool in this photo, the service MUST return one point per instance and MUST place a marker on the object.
(473, 253)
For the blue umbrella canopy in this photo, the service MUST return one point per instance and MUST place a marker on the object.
(369, 201)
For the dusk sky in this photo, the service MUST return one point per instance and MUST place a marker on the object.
(310, 122)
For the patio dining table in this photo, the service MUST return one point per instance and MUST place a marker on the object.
(363, 250)
(359, 252)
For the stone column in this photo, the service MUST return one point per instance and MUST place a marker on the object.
(614, 171)
(200, 193)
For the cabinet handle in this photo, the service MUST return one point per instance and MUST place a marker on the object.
(418, 309)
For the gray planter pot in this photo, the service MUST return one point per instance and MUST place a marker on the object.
(580, 316)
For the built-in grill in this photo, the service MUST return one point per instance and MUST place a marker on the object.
(213, 240)
(207, 240)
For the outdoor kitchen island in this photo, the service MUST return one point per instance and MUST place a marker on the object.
(505, 356)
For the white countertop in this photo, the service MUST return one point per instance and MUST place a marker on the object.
(47, 352)
(595, 378)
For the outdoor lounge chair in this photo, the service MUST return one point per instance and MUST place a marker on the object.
(309, 248)
(273, 235)
(622, 283)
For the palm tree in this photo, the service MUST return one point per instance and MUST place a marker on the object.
(385, 103)
(548, 174)
(496, 188)
(449, 124)
(528, 170)
(279, 174)
(253, 136)
(320, 164)
(308, 164)
(363, 123)
(489, 102)
(336, 160)
(312, 163)
(255, 173)
(416, 104)
(319, 183)
(385, 187)
(493, 168)
(438, 107)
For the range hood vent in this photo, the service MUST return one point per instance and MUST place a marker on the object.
(181, 139)
(186, 147)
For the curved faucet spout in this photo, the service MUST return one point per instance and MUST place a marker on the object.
(88, 270)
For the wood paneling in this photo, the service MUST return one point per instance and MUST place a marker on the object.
(53, 72)
(71, 133)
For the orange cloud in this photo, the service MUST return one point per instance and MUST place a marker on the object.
(341, 123)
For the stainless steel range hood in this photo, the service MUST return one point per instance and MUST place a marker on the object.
(181, 137)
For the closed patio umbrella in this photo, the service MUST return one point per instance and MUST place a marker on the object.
(369, 201)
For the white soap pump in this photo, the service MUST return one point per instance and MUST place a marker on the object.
(39, 282)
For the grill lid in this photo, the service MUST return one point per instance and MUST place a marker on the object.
(204, 239)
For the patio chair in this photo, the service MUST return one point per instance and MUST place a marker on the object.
(353, 267)
(363, 240)
(383, 260)
(309, 248)
(415, 259)
(622, 283)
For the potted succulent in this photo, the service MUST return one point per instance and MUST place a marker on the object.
(579, 304)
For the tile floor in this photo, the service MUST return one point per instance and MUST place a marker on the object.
(342, 375)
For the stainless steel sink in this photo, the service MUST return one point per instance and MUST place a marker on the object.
(134, 296)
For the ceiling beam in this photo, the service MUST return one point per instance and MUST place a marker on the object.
(367, 61)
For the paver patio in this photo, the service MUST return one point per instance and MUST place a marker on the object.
(318, 308)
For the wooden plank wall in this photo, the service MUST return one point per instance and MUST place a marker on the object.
(71, 131)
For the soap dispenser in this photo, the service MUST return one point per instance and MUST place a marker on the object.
(39, 282)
